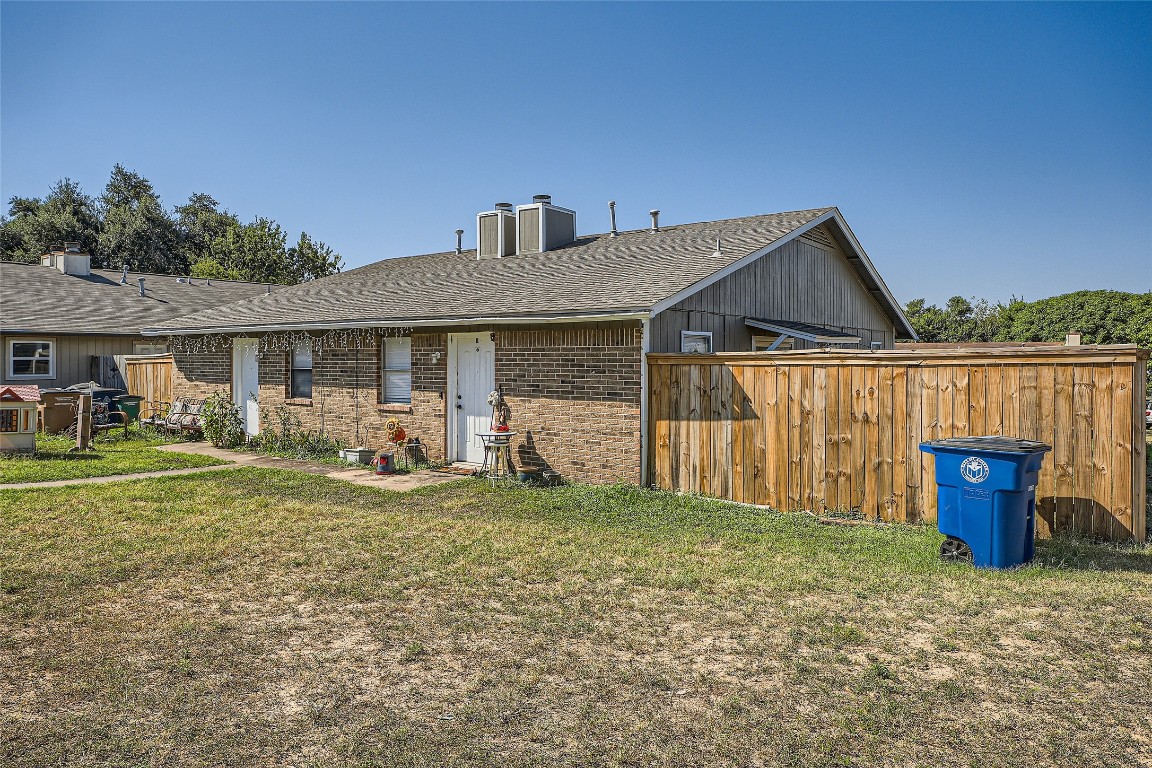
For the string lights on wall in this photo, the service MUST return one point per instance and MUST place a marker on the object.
(285, 341)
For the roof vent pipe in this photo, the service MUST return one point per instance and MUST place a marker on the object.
(655, 220)
(546, 199)
(612, 215)
(208, 281)
(124, 276)
(268, 289)
(459, 242)
(141, 281)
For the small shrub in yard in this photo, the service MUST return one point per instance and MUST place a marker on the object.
(286, 438)
(221, 422)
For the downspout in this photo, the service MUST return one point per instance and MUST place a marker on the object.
(645, 347)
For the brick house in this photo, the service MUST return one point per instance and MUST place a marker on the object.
(558, 323)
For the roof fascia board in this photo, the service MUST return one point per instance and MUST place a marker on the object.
(897, 310)
(815, 338)
(739, 264)
(423, 323)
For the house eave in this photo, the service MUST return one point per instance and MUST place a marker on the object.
(629, 314)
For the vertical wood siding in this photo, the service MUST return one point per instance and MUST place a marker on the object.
(73, 356)
(842, 431)
(151, 378)
(806, 280)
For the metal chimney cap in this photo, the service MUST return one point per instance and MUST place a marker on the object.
(503, 206)
(459, 231)
(546, 199)
(72, 247)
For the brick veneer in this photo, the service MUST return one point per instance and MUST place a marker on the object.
(574, 393)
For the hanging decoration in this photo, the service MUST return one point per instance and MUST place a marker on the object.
(286, 341)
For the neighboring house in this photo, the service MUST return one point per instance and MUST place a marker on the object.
(559, 324)
(63, 323)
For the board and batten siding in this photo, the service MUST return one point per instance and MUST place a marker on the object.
(73, 356)
(806, 280)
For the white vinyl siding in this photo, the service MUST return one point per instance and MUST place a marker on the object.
(31, 359)
(397, 374)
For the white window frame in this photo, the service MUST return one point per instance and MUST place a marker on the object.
(684, 335)
(384, 370)
(139, 349)
(292, 368)
(9, 365)
(761, 342)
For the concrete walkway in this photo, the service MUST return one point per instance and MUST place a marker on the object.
(238, 459)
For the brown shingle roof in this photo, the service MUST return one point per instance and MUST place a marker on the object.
(596, 274)
(39, 299)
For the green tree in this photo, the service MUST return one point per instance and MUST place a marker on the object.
(255, 251)
(199, 224)
(960, 320)
(310, 259)
(33, 226)
(137, 230)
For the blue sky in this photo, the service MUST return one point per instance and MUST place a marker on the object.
(976, 149)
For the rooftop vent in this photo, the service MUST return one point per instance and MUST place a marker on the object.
(655, 214)
(541, 226)
(496, 232)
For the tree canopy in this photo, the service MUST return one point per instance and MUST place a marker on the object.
(129, 225)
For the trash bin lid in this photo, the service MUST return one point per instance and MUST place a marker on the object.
(991, 443)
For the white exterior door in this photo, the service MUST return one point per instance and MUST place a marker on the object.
(246, 383)
(475, 377)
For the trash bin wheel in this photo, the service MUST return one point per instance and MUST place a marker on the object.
(954, 550)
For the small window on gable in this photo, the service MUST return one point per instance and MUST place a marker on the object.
(301, 377)
(696, 341)
(396, 385)
(31, 359)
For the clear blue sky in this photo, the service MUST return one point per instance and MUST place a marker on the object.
(980, 149)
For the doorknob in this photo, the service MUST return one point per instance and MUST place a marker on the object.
(459, 407)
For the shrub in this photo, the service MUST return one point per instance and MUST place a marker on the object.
(221, 422)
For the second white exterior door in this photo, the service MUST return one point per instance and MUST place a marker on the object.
(475, 376)
(246, 383)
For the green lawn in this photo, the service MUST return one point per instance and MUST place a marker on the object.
(113, 455)
(268, 618)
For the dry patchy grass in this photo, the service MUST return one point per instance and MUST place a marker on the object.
(268, 618)
(113, 454)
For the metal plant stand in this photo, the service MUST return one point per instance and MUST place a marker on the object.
(497, 464)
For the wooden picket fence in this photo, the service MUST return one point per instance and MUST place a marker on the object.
(841, 430)
(149, 376)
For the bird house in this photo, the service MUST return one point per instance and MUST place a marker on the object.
(18, 418)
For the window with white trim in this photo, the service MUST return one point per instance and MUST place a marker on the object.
(31, 359)
(301, 378)
(761, 343)
(396, 382)
(149, 349)
(696, 341)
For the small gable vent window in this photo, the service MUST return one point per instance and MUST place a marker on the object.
(397, 379)
(696, 341)
(301, 379)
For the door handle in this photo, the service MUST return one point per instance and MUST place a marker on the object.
(459, 407)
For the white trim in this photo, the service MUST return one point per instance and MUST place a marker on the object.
(700, 285)
(711, 346)
(423, 323)
(645, 346)
(786, 331)
(450, 400)
(8, 368)
(847, 230)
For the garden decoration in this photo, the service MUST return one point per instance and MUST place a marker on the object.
(500, 411)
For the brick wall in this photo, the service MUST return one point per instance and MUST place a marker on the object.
(574, 393)
(199, 374)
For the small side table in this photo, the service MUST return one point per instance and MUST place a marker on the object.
(497, 455)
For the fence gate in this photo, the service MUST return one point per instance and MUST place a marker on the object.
(841, 430)
(149, 376)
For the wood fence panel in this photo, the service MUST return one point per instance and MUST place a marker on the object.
(820, 430)
(150, 377)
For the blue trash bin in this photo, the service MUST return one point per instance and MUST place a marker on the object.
(986, 503)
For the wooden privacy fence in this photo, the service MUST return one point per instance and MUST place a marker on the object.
(841, 430)
(149, 376)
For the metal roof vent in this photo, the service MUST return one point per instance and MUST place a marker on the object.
(541, 226)
(655, 214)
(124, 276)
(495, 232)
